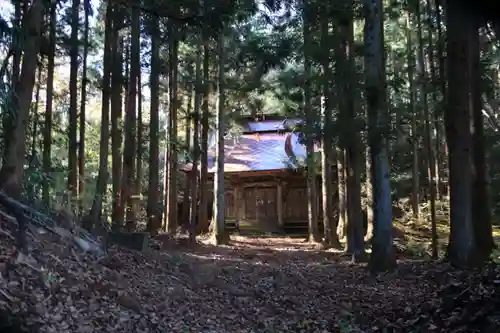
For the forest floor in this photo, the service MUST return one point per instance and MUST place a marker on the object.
(414, 237)
(252, 285)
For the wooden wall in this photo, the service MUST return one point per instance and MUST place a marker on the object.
(295, 204)
(267, 203)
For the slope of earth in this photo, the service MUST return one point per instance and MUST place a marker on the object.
(253, 285)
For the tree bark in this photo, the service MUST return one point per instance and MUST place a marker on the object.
(17, 47)
(171, 211)
(428, 136)
(33, 160)
(11, 174)
(130, 144)
(342, 190)
(139, 149)
(204, 223)
(102, 178)
(47, 131)
(330, 234)
(73, 106)
(196, 144)
(383, 257)
(355, 228)
(186, 202)
(481, 210)
(154, 127)
(441, 41)
(437, 116)
(83, 103)
(312, 195)
(220, 234)
(116, 132)
(415, 199)
(462, 245)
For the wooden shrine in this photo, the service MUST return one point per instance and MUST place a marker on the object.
(265, 190)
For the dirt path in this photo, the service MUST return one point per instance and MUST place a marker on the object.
(253, 285)
(285, 285)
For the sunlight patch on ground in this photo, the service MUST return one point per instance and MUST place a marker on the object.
(416, 237)
(496, 233)
(214, 256)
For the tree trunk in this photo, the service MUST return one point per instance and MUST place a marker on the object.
(47, 131)
(139, 151)
(129, 149)
(184, 219)
(220, 234)
(16, 42)
(102, 178)
(204, 223)
(83, 102)
(428, 136)
(36, 120)
(330, 235)
(340, 63)
(171, 211)
(437, 111)
(342, 190)
(33, 160)
(11, 173)
(369, 194)
(481, 210)
(17, 47)
(116, 132)
(415, 200)
(196, 145)
(355, 230)
(154, 127)
(73, 106)
(462, 245)
(166, 157)
(383, 257)
(309, 120)
(441, 41)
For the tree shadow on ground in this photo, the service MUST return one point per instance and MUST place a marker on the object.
(251, 285)
(288, 280)
(268, 248)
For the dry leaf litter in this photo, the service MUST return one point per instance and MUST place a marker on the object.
(253, 285)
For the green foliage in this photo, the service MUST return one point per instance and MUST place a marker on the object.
(264, 75)
(5, 31)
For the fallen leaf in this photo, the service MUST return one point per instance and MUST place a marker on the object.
(128, 301)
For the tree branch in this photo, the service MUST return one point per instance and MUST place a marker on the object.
(187, 19)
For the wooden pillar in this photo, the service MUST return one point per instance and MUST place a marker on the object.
(279, 203)
(239, 203)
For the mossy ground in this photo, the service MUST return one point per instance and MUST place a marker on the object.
(415, 235)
